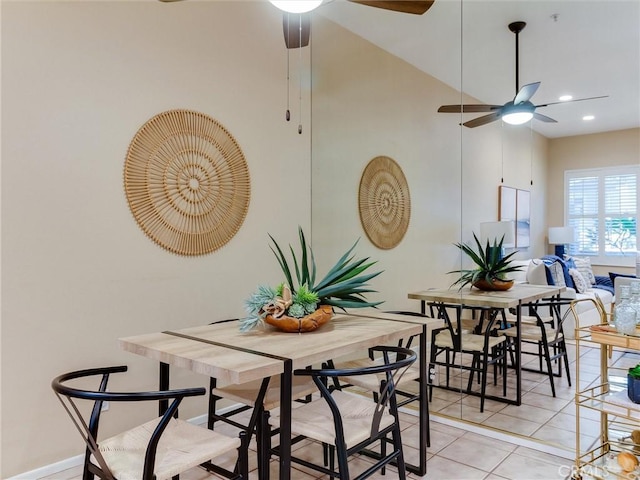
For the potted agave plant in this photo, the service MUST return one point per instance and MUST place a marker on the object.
(302, 304)
(491, 268)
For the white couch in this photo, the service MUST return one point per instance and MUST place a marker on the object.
(587, 311)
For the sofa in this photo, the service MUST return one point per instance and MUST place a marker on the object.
(574, 273)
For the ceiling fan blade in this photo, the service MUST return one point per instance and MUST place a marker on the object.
(297, 28)
(417, 7)
(569, 101)
(543, 118)
(468, 108)
(476, 122)
(525, 93)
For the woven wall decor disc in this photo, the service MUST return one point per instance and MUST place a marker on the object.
(384, 202)
(187, 182)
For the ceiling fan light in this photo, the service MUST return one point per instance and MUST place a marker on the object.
(517, 118)
(296, 6)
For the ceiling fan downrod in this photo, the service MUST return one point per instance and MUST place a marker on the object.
(517, 27)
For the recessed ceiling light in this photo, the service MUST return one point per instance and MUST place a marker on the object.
(565, 98)
(588, 117)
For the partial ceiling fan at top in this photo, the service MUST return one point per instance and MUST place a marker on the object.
(515, 112)
(297, 29)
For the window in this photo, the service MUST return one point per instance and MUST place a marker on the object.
(602, 204)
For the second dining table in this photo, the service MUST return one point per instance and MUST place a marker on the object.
(517, 298)
(222, 351)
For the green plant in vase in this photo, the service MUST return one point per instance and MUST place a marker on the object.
(633, 384)
(491, 268)
(344, 286)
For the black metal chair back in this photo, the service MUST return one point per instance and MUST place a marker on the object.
(68, 396)
(395, 360)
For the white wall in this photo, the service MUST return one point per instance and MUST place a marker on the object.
(78, 80)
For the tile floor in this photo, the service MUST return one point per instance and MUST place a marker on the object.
(454, 454)
(505, 442)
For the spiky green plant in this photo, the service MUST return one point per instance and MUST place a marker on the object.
(490, 265)
(344, 286)
(635, 371)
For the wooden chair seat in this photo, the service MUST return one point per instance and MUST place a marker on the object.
(528, 319)
(181, 447)
(315, 420)
(372, 381)
(246, 393)
(469, 341)
(532, 332)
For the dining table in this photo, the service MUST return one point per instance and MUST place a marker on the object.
(516, 298)
(222, 351)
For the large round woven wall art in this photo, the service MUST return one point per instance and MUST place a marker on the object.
(384, 202)
(187, 182)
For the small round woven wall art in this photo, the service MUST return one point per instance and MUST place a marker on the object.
(187, 182)
(384, 202)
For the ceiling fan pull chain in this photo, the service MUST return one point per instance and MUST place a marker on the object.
(288, 113)
(300, 80)
(531, 155)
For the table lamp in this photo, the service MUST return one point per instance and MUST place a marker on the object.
(561, 236)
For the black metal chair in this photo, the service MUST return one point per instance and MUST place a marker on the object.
(352, 423)
(485, 344)
(546, 333)
(157, 450)
(374, 383)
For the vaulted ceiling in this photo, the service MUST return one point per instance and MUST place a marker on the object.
(576, 47)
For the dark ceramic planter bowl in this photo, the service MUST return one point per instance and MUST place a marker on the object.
(495, 285)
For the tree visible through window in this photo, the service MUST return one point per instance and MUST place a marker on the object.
(602, 205)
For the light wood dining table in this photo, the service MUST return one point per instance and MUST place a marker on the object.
(221, 351)
(517, 297)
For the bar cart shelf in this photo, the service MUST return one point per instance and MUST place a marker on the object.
(607, 395)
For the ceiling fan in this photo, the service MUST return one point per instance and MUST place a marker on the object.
(298, 26)
(515, 112)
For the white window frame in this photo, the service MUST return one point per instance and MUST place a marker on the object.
(602, 258)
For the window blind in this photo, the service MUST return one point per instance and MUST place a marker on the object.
(602, 205)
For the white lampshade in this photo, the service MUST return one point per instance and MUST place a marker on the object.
(493, 231)
(296, 6)
(561, 235)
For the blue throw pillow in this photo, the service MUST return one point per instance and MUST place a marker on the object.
(550, 260)
(613, 275)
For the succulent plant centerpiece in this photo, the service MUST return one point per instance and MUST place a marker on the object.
(300, 297)
(491, 268)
